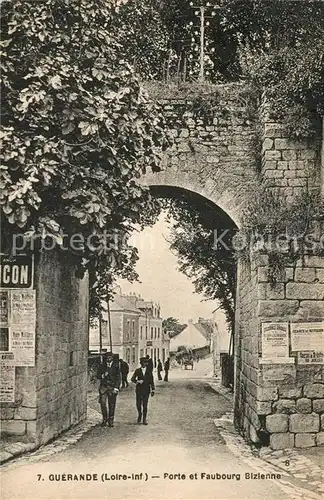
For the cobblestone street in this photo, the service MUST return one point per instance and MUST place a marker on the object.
(189, 432)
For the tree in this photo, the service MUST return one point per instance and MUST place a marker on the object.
(212, 270)
(142, 36)
(173, 326)
(78, 131)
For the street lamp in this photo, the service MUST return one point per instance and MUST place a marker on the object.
(201, 13)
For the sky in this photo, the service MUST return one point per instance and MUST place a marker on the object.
(161, 281)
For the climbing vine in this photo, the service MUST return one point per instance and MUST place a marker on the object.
(284, 231)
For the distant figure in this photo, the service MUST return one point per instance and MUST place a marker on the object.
(124, 370)
(109, 376)
(166, 370)
(149, 363)
(159, 369)
(197, 359)
(143, 378)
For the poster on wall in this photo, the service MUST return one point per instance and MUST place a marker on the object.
(275, 343)
(307, 336)
(23, 307)
(22, 345)
(7, 377)
(311, 357)
(23, 326)
(4, 307)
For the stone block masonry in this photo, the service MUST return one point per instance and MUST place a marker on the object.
(280, 404)
(51, 397)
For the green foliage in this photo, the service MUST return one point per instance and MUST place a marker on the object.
(77, 131)
(276, 44)
(212, 270)
(142, 36)
(283, 230)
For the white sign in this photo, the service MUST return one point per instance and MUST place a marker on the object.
(275, 341)
(23, 326)
(22, 345)
(23, 307)
(311, 357)
(7, 377)
(307, 336)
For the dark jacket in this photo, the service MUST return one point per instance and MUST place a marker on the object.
(148, 381)
(150, 364)
(167, 365)
(109, 377)
(124, 368)
(159, 366)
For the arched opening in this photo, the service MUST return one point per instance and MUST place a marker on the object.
(214, 220)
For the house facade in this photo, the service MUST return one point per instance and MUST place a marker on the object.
(153, 340)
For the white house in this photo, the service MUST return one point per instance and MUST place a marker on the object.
(193, 337)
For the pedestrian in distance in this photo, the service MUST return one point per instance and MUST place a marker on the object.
(149, 363)
(124, 370)
(109, 376)
(159, 369)
(166, 370)
(143, 378)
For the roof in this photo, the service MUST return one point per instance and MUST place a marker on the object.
(192, 336)
(202, 330)
(121, 303)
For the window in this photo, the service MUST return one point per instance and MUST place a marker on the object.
(146, 332)
(155, 332)
(71, 360)
(151, 332)
(158, 332)
(133, 328)
(127, 330)
(141, 333)
(134, 354)
(128, 355)
(141, 353)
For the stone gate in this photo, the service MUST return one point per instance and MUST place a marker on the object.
(226, 154)
(225, 147)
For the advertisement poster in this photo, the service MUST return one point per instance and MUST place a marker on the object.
(7, 378)
(23, 308)
(4, 307)
(275, 342)
(311, 357)
(22, 345)
(307, 336)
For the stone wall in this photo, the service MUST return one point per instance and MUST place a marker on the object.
(281, 404)
(51, 396)
(213, 150)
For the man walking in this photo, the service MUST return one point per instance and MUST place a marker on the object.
(124, 370)
(109, 376)
(159, 369)
(166, 370)
(143, 378)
